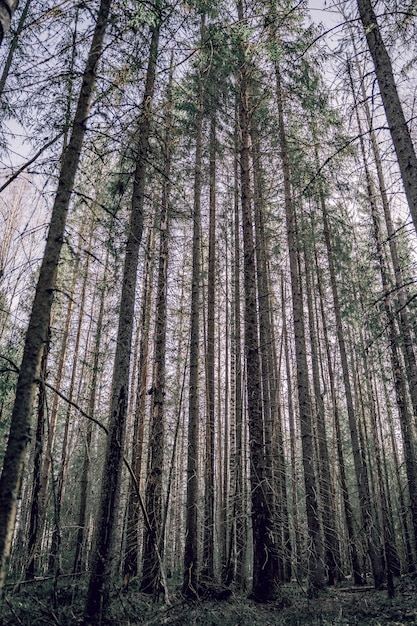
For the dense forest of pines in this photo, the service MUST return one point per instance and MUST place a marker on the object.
(208, 301)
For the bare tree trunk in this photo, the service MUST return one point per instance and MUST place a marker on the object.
(36, 504)
(315, 557)
(347, 506)
(98, 596)
(265, 551)
(331, 547)
(404, 148)
(298, 539)
(190, 578)
(208, 541)
(36, 335)
(13, 44)
(79, 556)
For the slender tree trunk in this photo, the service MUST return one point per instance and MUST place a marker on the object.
(13, 44)
(331, 547)
(373, 540)
(208, 542)
(82, 511)
(36, 335)
(298, 539)
(403, 144)
(315, 557)
(98, 596)
(36, 504)
(190, 578)
(265, 551)
(154, 535)
(347, 506)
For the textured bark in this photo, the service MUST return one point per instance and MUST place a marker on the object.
(35, 519)
(274, 449)
(315, 556)
(208, 542)
(404, 148)
(347, 507)
(331, 546)
(36, 335)
(265, 551)
(102, 560)
(7, 8)
(373, 540)
(190, 578)
(79, 556)
(298, 540)
(398, 373)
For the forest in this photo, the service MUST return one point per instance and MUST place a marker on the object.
(208, 312)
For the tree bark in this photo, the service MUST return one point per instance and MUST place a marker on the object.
(404, 148)
(208, 542)
(265, 551)
(36, 335)
(190, 578)
(102, 561)
(315, 556)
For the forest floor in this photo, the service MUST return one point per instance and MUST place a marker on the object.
(39, 604)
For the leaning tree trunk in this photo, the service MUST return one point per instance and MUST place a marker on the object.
(406, 421)
(13, 45)
(36, 335)
(404, 148)
(101, 568)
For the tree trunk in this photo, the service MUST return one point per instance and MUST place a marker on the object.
(190, 578)
(36, 335)
(13, 44)
(265, 551)
(404, 148)
(331, 547)
(35, 519)
(154, 535)
(208, 542)
(315, 557)
(79, 556)
(101, 568)
(373, 540)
